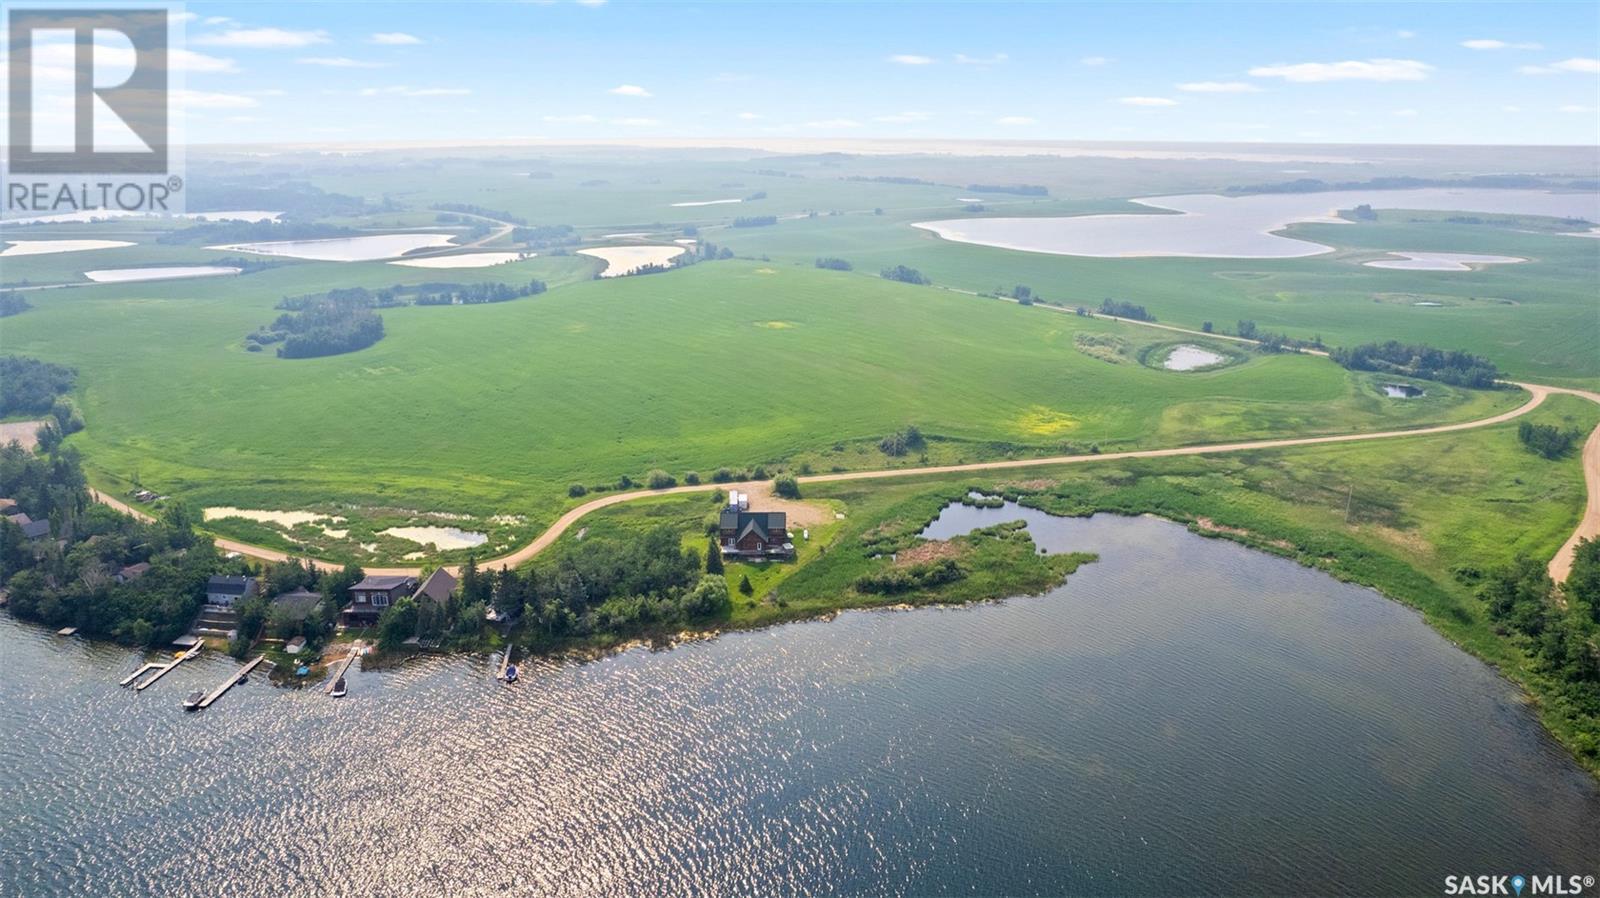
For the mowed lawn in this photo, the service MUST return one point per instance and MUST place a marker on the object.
(497, 408)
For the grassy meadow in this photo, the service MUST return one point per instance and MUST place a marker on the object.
(496, 409)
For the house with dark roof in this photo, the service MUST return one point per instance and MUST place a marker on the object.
(35, 529)
(437, 588)
(743, 533)
(226, 590)
(297, 605)
(372, 596)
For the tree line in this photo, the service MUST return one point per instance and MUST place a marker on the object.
(1455, 367)
(29, 386)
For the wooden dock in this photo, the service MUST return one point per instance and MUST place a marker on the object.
(505, 662)
(229, 683)
(160, 670)
(357, 649)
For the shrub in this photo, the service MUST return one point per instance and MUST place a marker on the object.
(722, 475)
(904, 275)
(576, 490)
(786, 486)
(834, 264)
(660, 480)
(692, 478)
(745, 585)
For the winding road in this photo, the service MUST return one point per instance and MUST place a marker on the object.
(1560, 565)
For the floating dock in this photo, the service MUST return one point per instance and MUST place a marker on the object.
(230, 682)
(505, 662)
(357, 649)
(67, 631)
(160, 670)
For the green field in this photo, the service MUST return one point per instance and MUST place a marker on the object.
(494, 410)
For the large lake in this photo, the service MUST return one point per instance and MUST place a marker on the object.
(1186, 716)
(1212, 226)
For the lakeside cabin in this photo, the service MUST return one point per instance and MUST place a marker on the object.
(226, 590)
(743, 533)
(372, 596)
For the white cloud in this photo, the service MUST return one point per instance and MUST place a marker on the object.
(834, 123)
(911, 59)
(55, 60)
(400, 90)
(901, 118)
(339, 62)
(1016, 120)
(996, 59)
(629, 90)
(1491, 44)
(1406, 113)
(1348, 70)
(584, 119)
(636, 122)
(591, 3)
(1510, 108)
(1219, 87)
(1093, 60)
(1405, 35)
(262, 38)
(219, 20)
(749, 116)
(1147, 101)
(1577, 64)
(1575, 108)
(394, 38)
(196, 99)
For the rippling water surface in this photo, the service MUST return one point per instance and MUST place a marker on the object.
(1185, 716)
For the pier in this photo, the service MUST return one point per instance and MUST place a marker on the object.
(357, 649)
(230, 682)
(160, 670)
(505, 662)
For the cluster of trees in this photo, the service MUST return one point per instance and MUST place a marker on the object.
(1022, 293)
(902, 441)
(72, 580)
(474, 294)
(755, 221)
(1562, 641)
(922, 576)
(758, 195)
(619, 586)
(254, 232)
(546, 236)
(904, 275)
(710, 251)
(1362, 212)
(1124, 309)
(481, 212)
(834, 264)
(890, 179)
(1547, 440)
(325, 327)
(29, 386)
(1416, 360)
(1016, 189)
(13, 303)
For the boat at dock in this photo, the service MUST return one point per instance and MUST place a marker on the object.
(511, 673)
(338, 688)
(192, 703)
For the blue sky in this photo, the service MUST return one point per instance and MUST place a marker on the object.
(1324, 72)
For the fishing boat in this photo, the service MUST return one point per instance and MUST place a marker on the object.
(511, 673)
(192, 703)
(338, 688)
